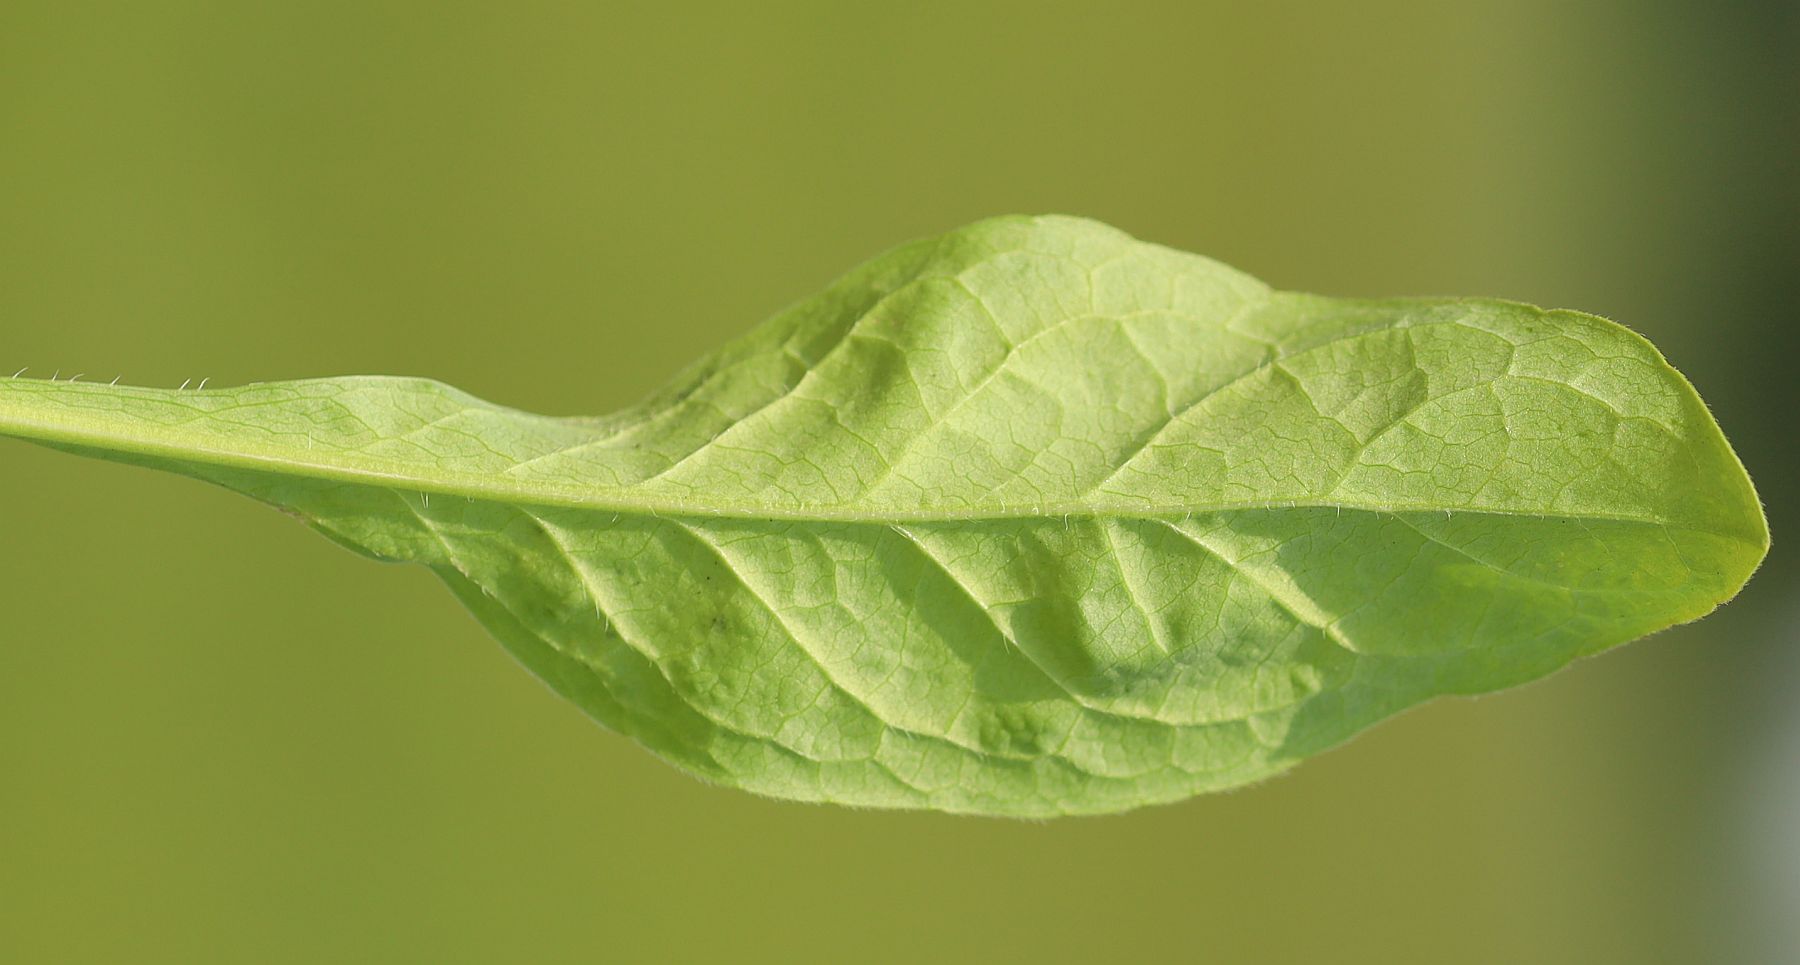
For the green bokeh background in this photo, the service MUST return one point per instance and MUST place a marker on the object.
(223, 739)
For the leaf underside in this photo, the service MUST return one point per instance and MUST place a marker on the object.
(1030, 519)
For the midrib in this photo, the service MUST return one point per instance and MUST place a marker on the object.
(85, 434)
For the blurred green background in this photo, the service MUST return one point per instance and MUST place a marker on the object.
(222, 739)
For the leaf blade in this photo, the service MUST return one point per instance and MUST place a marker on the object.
(980, 531)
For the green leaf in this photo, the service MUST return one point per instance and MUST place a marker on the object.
(1029, 519)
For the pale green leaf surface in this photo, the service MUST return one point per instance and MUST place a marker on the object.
(1029, 519)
